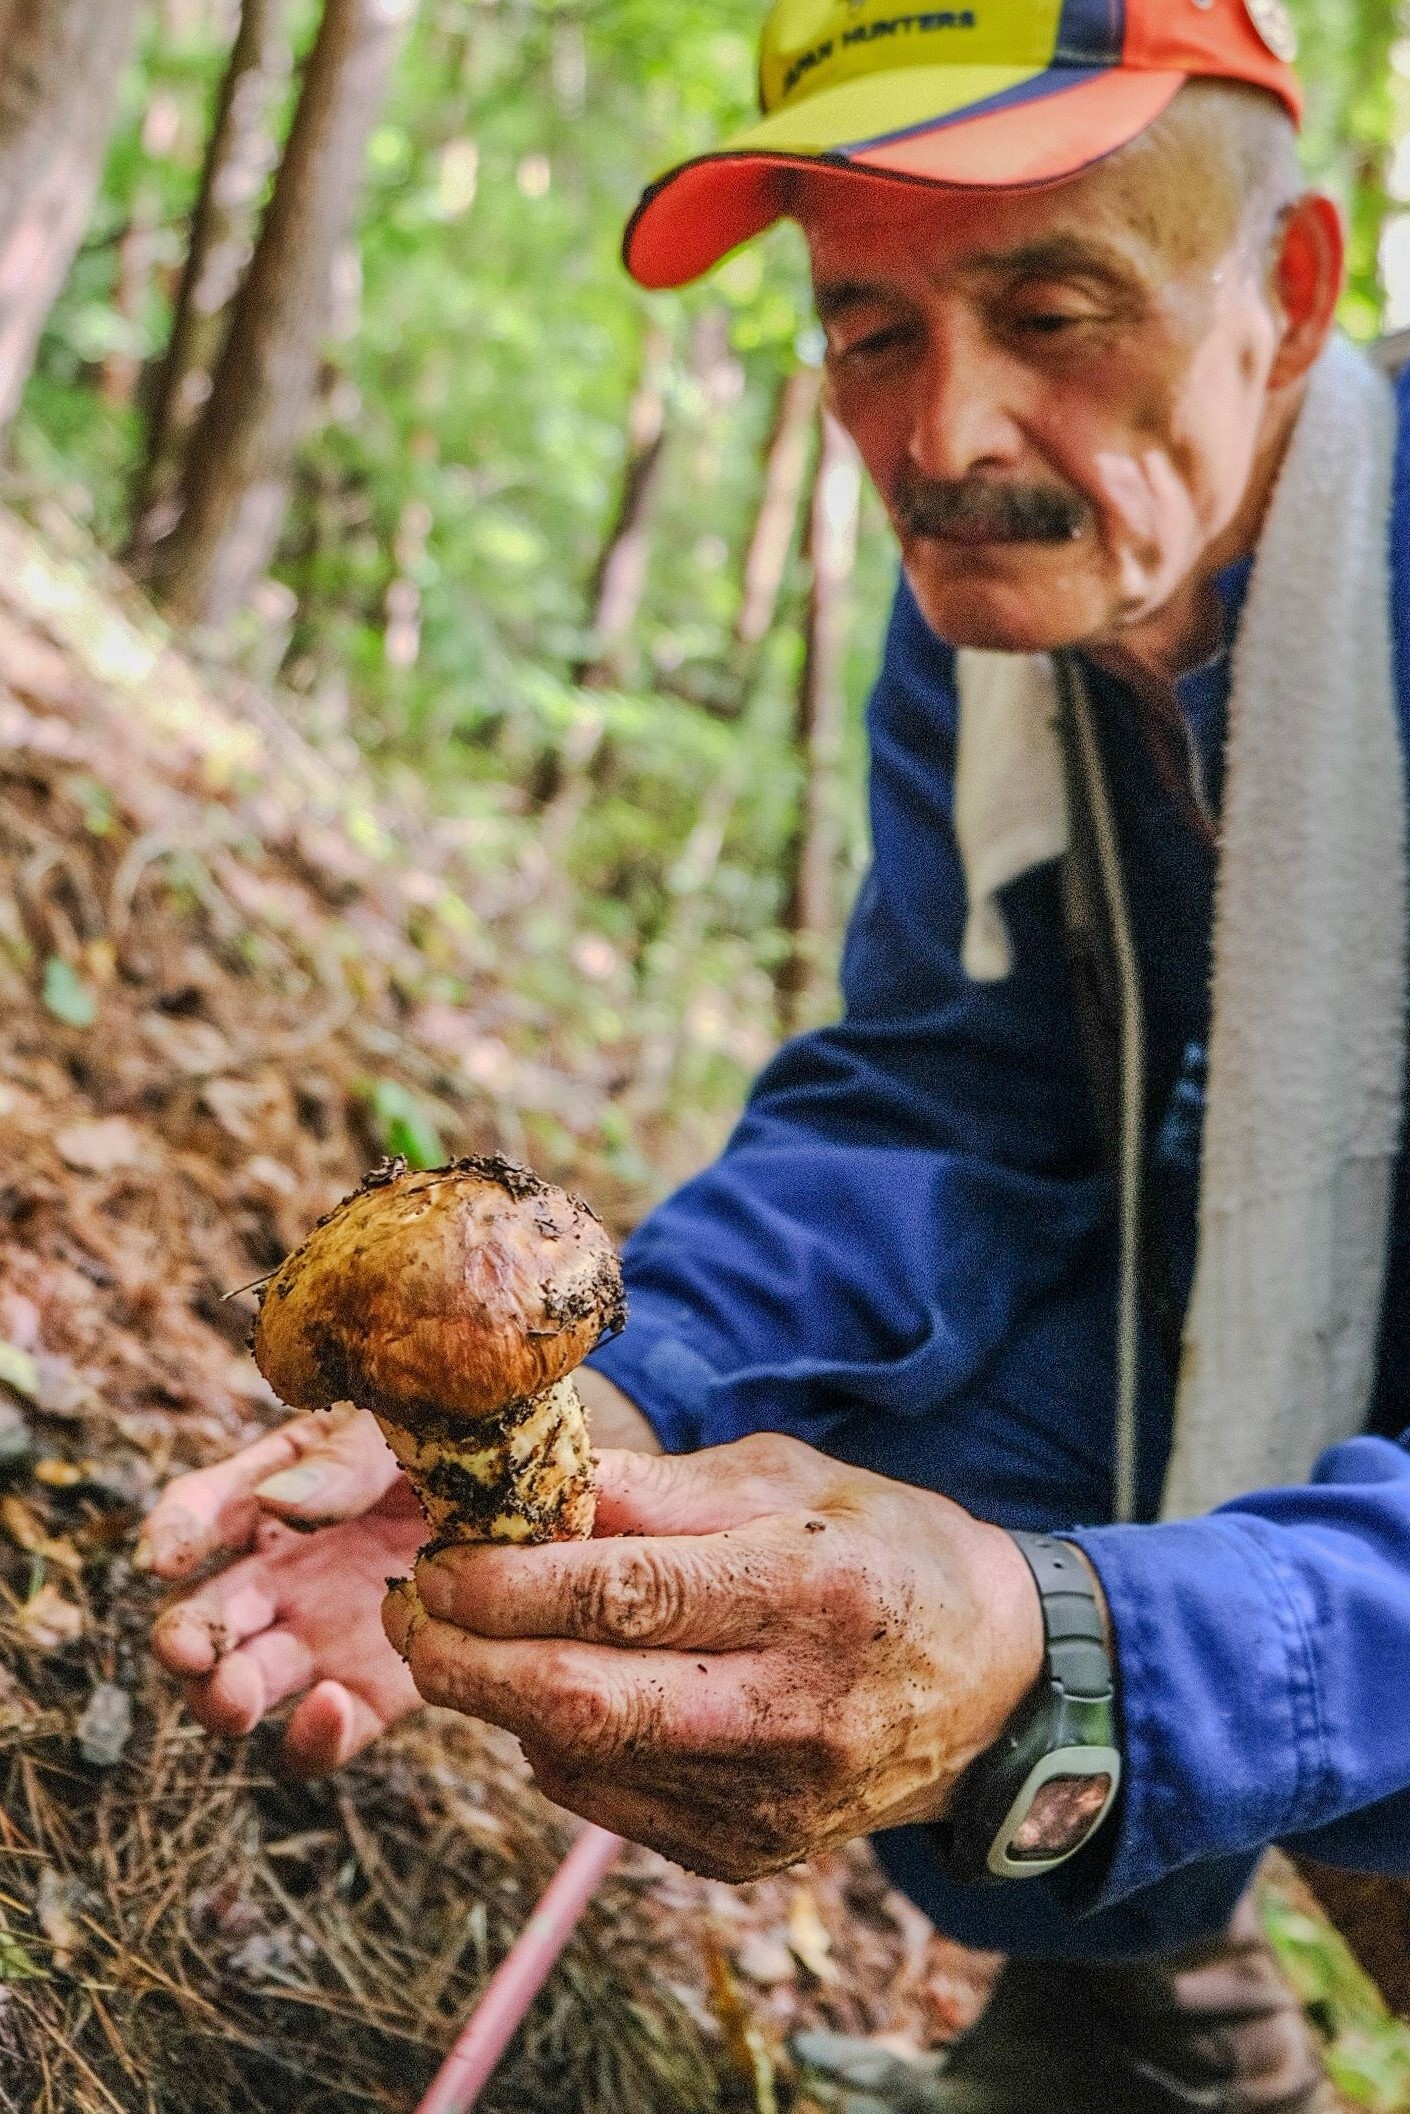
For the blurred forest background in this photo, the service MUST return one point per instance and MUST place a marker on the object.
(327, 337)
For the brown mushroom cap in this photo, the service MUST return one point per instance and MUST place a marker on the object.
(432, 1296)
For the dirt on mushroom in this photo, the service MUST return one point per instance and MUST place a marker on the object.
(454, 1304)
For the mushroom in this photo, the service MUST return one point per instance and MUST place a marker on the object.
(454, 1304)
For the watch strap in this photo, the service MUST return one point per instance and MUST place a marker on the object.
(1061, 1738)
(1075, 1654)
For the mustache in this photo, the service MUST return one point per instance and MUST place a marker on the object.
(983, 510)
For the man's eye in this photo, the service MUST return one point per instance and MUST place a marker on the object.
(1049, 322)
(875, 344)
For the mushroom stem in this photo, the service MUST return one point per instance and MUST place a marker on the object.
(523, 1475)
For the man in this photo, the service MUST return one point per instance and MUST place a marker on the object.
(1078, 304)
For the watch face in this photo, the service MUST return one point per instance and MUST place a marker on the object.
(1063, 1812)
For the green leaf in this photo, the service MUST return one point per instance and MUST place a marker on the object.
(95, 804)
(17, 1964)
(18, 1370)
(67, 996)
(403, 1125)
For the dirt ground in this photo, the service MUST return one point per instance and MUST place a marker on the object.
(223, 973)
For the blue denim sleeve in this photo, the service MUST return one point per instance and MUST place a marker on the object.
(903, 1187)
(1264, 1665)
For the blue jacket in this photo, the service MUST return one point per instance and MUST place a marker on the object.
(906, 1255)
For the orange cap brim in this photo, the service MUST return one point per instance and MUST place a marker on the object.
(701, 211)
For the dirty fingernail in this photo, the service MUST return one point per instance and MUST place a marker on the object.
(293, 1486)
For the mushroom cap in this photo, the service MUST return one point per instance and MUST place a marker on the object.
(427, 1297)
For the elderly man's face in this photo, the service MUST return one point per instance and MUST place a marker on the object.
(1059, 394)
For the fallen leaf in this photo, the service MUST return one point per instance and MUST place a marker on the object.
(808, 1940)
(67, 996)
(48, 1620)
(63, 1392)
(60, 1475)
(57, 1900)
(749, 2052)
(18, 1370)
(194, 1047)
(28, 1532)
(765, 1958)
(16, 1439)
(16, 1964)
(101, 1146)
(105, 1726)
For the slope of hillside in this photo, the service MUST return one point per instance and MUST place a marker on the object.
(230, 978)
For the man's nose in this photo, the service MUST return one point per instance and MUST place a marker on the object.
(964, 419)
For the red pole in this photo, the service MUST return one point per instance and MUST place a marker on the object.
(521, 1974)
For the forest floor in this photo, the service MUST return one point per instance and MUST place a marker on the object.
(229, 979)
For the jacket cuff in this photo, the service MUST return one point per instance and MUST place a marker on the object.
(1221, 1737)
(660, 1371)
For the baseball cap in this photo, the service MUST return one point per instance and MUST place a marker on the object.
(996, 92)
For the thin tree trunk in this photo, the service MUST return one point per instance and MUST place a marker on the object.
(235, 487)
(239, 156)
(136, 262)
(619, 577)
(785, 465)
(61, 65)
(810, 911)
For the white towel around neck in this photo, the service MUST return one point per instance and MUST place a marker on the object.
(1307, 1045)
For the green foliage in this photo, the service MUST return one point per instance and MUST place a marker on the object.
(401, 1124)
(432, 590)
(67, 996)
(1351, 124)
(1368, 2051)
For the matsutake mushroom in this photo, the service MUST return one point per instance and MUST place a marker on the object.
(454, 1304)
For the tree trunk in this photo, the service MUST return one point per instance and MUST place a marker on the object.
(136, 262)
(619, 578)
(809, 914)
(235, 487)
(239, 156)
(61, 65)
(785, 465)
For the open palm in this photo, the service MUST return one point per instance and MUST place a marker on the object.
(300, 1614)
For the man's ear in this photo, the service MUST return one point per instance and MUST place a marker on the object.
(1305, 283)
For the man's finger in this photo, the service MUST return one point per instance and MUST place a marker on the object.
(713, 1592)
(588, 1701)
(707, 1492)
(331, 1725)
(335, 1465)
(193, 1634)
(250, 1682)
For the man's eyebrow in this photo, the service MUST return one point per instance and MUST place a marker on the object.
(834, 297)
(1060, 256)
(1056, 257)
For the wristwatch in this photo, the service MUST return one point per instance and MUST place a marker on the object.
(1040, 1793)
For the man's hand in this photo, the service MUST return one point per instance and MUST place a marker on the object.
(773, 1654)
(301, 1614)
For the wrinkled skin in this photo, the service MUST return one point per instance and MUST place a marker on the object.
(1118, 344)
(773, 1653)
